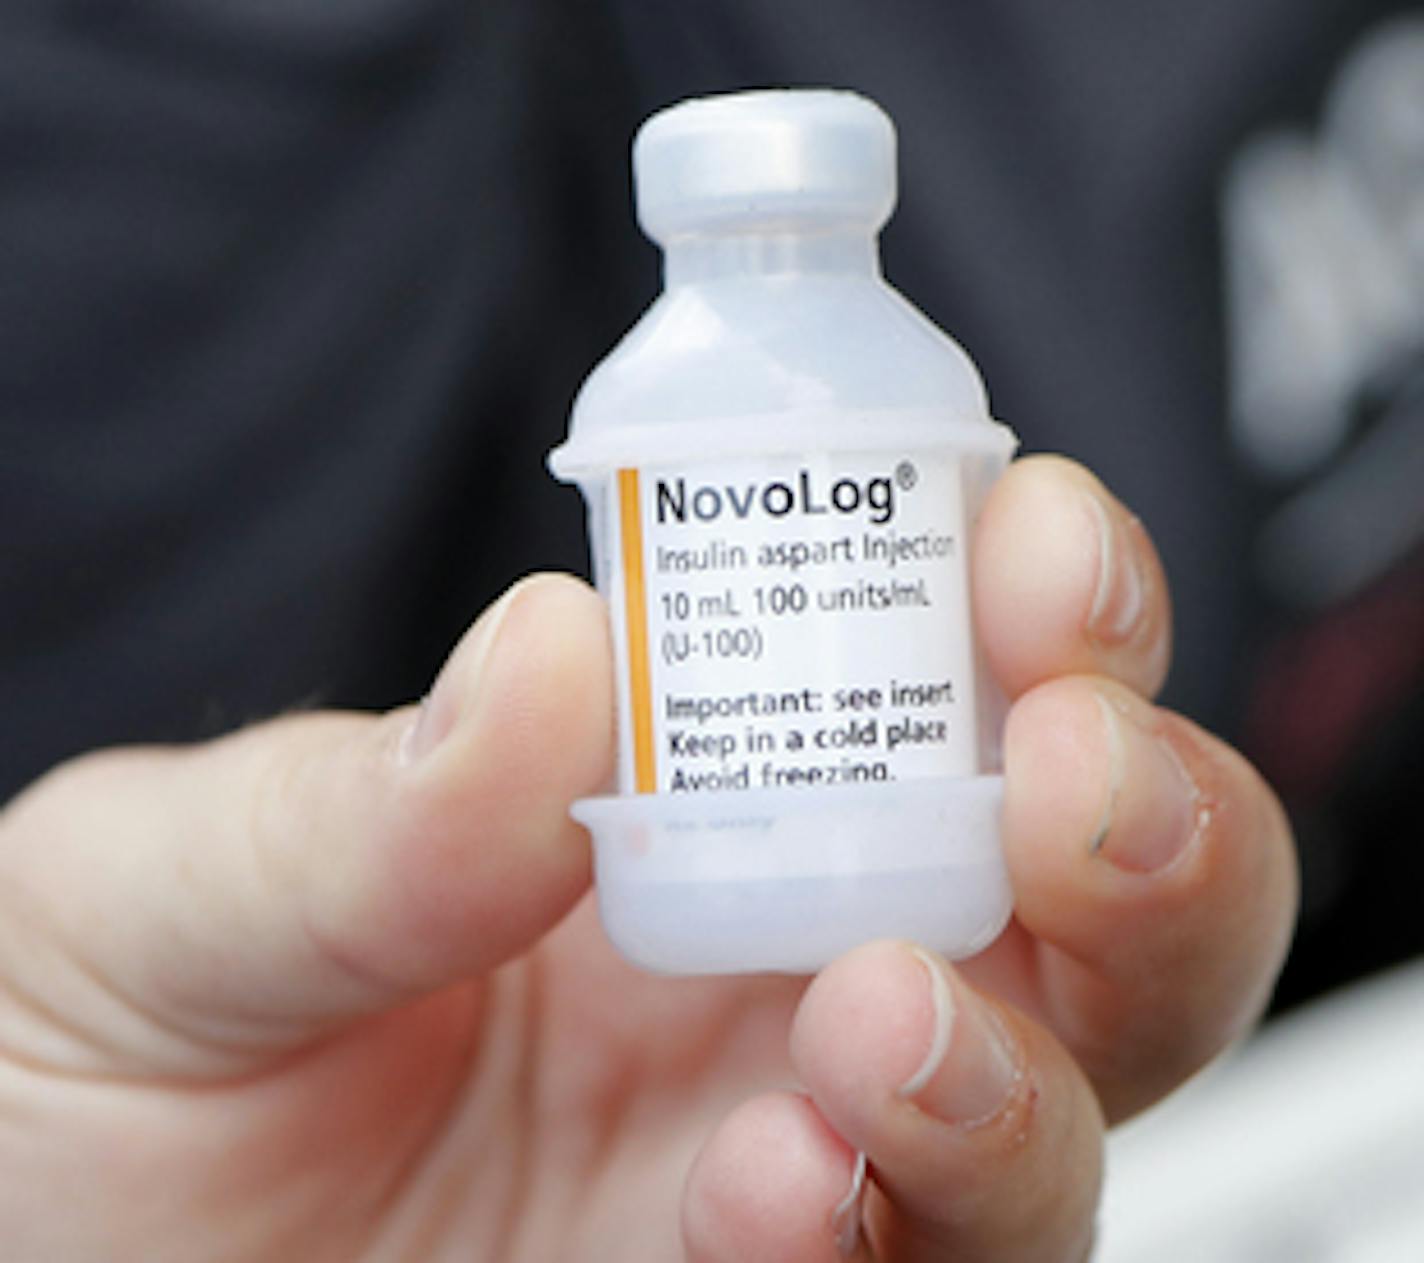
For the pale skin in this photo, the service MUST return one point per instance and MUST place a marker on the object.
(333, 989)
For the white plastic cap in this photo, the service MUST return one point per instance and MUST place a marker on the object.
(759, 160)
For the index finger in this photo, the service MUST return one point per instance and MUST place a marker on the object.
(1067, 582)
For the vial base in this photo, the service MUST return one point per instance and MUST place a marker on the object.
(785, 881)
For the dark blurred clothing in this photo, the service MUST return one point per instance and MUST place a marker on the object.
(294, 297)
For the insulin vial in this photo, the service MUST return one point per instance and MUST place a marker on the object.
(782, 461)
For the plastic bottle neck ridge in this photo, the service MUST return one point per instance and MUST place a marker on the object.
(699, 258)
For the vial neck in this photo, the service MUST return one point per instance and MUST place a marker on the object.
(699, 258)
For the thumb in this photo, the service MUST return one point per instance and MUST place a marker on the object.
(189, 911)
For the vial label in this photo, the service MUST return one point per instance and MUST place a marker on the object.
(791, 621)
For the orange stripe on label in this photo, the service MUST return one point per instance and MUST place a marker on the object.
(640, 689)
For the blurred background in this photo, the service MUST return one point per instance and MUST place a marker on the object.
(294, 297)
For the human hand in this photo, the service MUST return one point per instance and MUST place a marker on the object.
(331, 988)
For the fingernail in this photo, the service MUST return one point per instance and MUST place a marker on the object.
(1154, 808)
(846, 1217)
(971, 1067)
(440, 709)
(1120, 598)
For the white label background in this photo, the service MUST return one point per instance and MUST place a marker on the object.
(806, 622)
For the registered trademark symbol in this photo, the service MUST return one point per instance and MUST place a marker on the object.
(906, 475)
